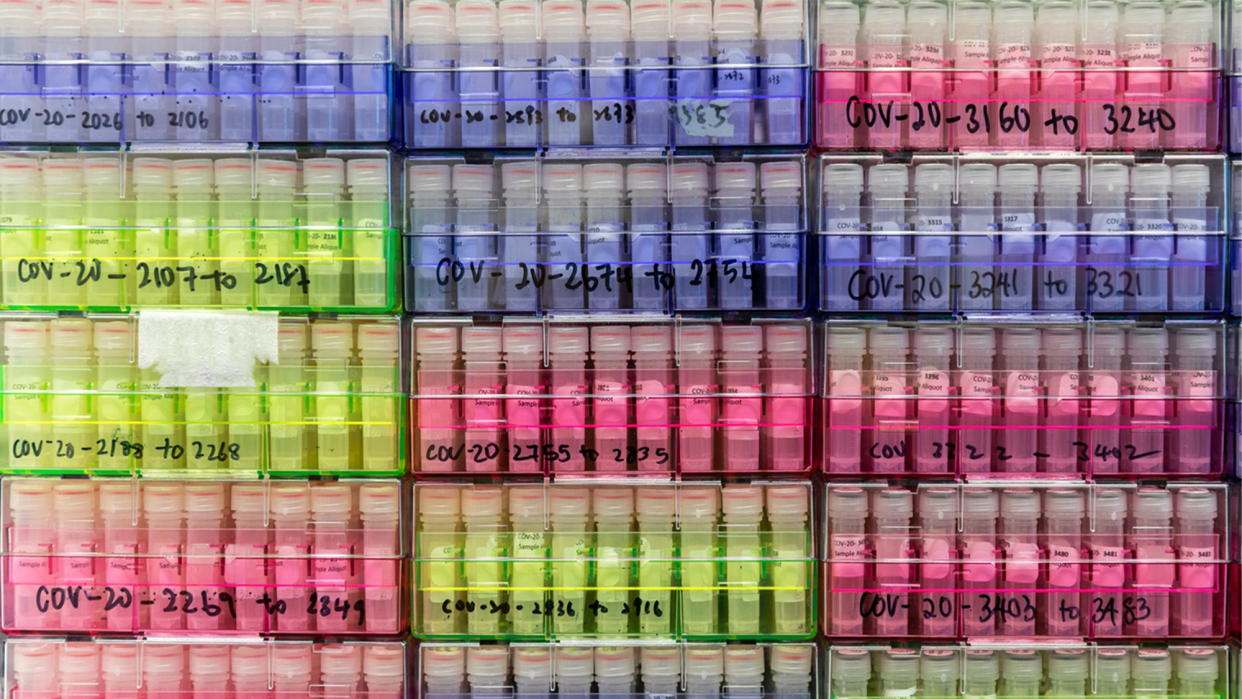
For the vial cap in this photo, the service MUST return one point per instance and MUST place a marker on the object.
(608, 20)
(889, 18)
(927, 20)
(19, 172)
(562, 20)
(367, 172)
(656, 502)
(614, 662)
(32, 497)
(1019, 503)
(518, 20)
(523, 342)
(71, 335)
(939, 666)
(1192, 176)
(647, 177)
(847, 503)
(1196, 503)
(893, 503)
(1062, 340)
(333, 501)
(249, 662)
(1018, 175)
(570, 340)
(383, 663)
(160, 660)
(847, 340)
(444, 662)
(742, 339)
(277, 173)
(233, 172)
(692, 19)
(979, 340)
(1153, 503)
(478, 21)
(975, 176)
(74, 500)
(339, 660)
(651, 20)
(63, 174)
(26, 335)
(610, 339)
(1201, 341)
(899, 666)
(781, 20)
(152, 172)
(1022, 664)
(697, 339)
(117, 498)
(735, 176)
(1014, 16)
(1064, 502)
(209, 662)
(743, 664)
(379, 338)
(532, 663)
(787, 501)
(1151, 667)
(1111, 341)
(613, 502)
(937, 341)
(1200, 664)
(562, 178)
(120, 661)
(792, 659)
(162, 499)
(526, 502)
(603, 179)
(785, 339)
(473, 179)
(248, 500)
(1112, 665)
(34, 660)
(481, 343)
(574, 663)
(379, 499)
(688, 178)
(735, 19)
(291, 662)
(332, 338)
(1110, 177)
(704, 663)
(1148, 340)
(101, 172)
(430, 21)
(1110, 505)
(852, 664)
(982, 665)
(204, 498)
(843, 175)
(430, 179)
(660, 662)
(291, 500)
(1024, 340)
(79, 663)
(890, 176)
(328, 172)
(487, 661)
(1150, 176)
(936, 177)
(436, 342)
(699, 501)
(570, 502)
(742, 501)
(781, 176)
(980, 503)
(1061, 175)
(938, 504)
(1144, 22)
(652, 339)
(480, 503)
(888, 339)
(193, 172)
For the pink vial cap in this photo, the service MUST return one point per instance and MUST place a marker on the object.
(742, 500)
(204, 498)
(163, 661)
(436, 342)
(610, 339)
(699, 501)
(335, 501)
(192, 172)
(657, 502)
(73, 334)
(112, 336)
(431, 179)
(74, 499)
(523, 176)
(647, 177)
(742, 339)
(704, 663)
(339, 660)
(379, 337)
(488, 661)
(19, 172)
(291, 499)
(292, 662)
(559, 177)
(481, 343)
(379, 499)
(614, 662)
(613, 502)
(444, 662)
(102, 172)
(730, 176)
(785, 339)
(792, 659)
(234, 172)
(526, 503)
(532, 663)
(688, 177)
(570, 502)
(250, 661)
(162, 498)
(34, 661)
(62, 174)
(482, 502)
(787, 501)
(79, 663)
(367, 172)
(383, 663)
(292, 338)
(323, 171)
(277, 173)
(439, 502)
(658, 662)
(697, 339)
(249, 499)
(117, 497)
(332, 338)
(25, 334)
(741, 663)
(31, 497)
(209, 662)
(476, 179)
(575, 662)
(604, 178)
(571, 340)
(120, 661)
(152, 172)
(523, 342)
(652, 339)
(781, 174)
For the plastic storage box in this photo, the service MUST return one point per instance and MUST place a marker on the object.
(620, 668)
(646, 396)
(606, 234)
(658, 561)
(1065, 399)
(272, 230)
(1034, 668)
(90, 395)
(181, 669)
(477, 74)
(1026, 560)
(203, 557)
(243, 71)
(1022, 233)
(999, 75)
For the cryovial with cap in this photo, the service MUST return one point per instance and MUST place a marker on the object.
(689, 244)
(520, 246)
(791, 666)
(487, 669)
(61, 220)
(287, 381)
(1193, 252)
(278, 108)
(1063, 406)
(1198, 576)
(1022, 672)
(656, 508)
(563, 197)
(524, 358)
(847, 549)
(782, 27)
(192, 182)
(34, 667)
(882, 35)
(276, 216)
(887, 188)
(735, 29)
(614, 557)
(933, 350)
(847, 350)
(249, 505)
(1152, 245)
(1057, 275)
(195, 98)
(1155, 552)
(939, 670)
(569, 516)
(332, 573)
(937, 509)
(648, 187)
(379, 505)
(1103, 382)
(1197, 671)
(370, 24)
(474, 239)
(1151, 670)
(695, 348)
(208, 666)
(1195, 366)
(163, 669)
(478, 37)
(482, 411)
(1107, 547)
(704, 672)
(1019, 539)
(379, 346)
(482, 512)
(742, 506)
(741, 404)
(234, 218)
(691, 76)
(1141, 38)
(520, 82)
(928, 25)
(75, 506)
(615, 672)
(163, 505)
(104, 211)
(928, 282)
(735, 238)
(836, 81)
(839, 233)
(204, 544)
(153, 209)
(976, 244)
(21, 205)
(119, 666)
(574, 668)
(980, 673)
(120, 538)
(661, 670)
(323, 182)
(430, 235)
(383, 668)
(850, 673)
(780, 245)
(1064, 510)
(70, 341)
(787, 511)
(527, 520)
(563, 35)
(898, 672)
(26, 374)
(1013, 25)
(1018, 367)
(439, 543)
(891, 512)
(603, 246)
(1016, 281)
(340, 667)
(700, 511)
(532, 671)
(743, 672)
(1068, 672)
(980, 553)
(1058, 29)
(567, 368)
(608, 36)
(332, 349)
(652, 27)
(890, 402)
(1150, 407)
(1111, 672)
(785, 405)
(1110, 187)
(434, 101)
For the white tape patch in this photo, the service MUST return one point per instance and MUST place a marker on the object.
(206, 349)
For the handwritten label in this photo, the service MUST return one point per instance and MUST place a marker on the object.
(159, 276)
(223, 451)
(482, 453)
(716, 272)
(213, 604)
(1007, 117)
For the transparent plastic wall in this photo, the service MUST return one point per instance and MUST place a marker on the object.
(640, 396)
(971, 75)
(1015, 399)
(179, 669)
(1031, 669)
(653, 561)
(606, 233)
(477, 74)
(623, 669)
(1023, 560)
(195, 72)
(203, 557)
(1022, 233)
(184, 228)
(88, 395)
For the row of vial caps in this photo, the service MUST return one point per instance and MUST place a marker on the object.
(650, 396)
(576, 232)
